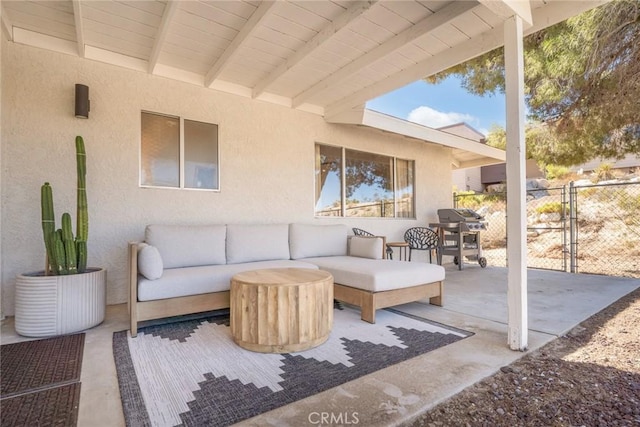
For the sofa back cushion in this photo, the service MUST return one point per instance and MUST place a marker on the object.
(188, 245)
(257, 242)
(307, 240)
(366, 247)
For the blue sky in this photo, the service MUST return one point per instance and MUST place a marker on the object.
(442, 104)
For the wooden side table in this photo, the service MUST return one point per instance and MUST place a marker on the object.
(281, 310)
(402, 251)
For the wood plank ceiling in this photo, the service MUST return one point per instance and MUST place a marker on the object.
(321, 56)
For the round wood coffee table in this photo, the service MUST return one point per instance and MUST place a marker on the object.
(281, 310)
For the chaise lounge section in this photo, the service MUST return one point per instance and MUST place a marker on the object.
(362, 276)
(183, 269)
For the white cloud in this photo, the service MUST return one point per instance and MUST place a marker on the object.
(435, 119)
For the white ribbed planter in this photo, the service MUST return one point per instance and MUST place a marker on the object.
(57, 305)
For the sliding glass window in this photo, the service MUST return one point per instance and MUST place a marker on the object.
(328, 180)
(369, 185)
(404, 188)
(178, 153)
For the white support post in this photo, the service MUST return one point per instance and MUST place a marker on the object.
(516, 185)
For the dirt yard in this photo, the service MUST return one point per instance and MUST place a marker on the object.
(590, 377)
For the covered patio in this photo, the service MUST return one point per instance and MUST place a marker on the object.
(288, 74)
(475, 301)
(278, 78)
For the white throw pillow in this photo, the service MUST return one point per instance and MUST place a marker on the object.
(149, 261)
(365, 247)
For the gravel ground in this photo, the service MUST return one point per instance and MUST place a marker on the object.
(589, 377)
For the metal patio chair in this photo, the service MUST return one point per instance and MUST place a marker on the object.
(422, 239)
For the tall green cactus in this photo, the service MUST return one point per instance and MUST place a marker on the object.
(48, 225)
(82, 215)
(66, 254)
(82, 212)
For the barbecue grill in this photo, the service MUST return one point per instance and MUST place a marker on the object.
(459, 234)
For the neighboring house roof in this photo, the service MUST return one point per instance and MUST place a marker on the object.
(465, 130)
(629, 161)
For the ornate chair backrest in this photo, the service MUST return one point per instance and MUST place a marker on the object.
(360, 232)
(421, 238)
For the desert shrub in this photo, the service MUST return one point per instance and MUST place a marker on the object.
(587, 192)
(495, 197)
(556, 172)
(491, 202)
(469, 199)
(550, 207)
(630, 206)
(603, 172)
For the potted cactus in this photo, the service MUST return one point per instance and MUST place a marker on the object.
(66, 296)
(66, 254)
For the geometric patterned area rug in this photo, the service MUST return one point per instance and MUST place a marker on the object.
(191, 372)
(40, 381)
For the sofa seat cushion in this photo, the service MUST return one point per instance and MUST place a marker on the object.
(376, 275)
(180, 282)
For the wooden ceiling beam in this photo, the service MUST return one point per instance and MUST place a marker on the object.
(508, 8)
(353, 12)
(77, 18)
(234, 47)
(163, 30)
(544, 17)
(427, 25)
(6, 23)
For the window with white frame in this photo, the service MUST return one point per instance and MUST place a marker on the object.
(178, 153)
(351, 183)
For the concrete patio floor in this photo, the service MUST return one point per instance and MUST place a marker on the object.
(475, 300)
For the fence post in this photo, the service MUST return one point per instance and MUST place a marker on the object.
(565, 212)
(573, 223)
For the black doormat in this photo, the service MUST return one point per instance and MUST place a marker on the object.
(40, 381)
(191, 373)
(56, 406)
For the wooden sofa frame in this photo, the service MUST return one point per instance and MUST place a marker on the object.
(369, 301)
(157, 309)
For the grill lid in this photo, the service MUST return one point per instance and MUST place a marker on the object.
(459, 215)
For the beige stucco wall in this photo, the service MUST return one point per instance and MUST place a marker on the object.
(3, 39)
(466, 179)
(266, 155)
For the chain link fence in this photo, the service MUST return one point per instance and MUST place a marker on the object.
(606, 229)
(586, 229)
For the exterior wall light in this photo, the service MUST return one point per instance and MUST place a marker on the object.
(82, 101)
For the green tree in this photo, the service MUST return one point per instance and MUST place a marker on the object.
(582, 79)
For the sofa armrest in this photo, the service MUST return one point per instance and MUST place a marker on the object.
(384, 246)
(133, 286)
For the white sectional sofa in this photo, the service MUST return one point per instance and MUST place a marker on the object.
(182, 269)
